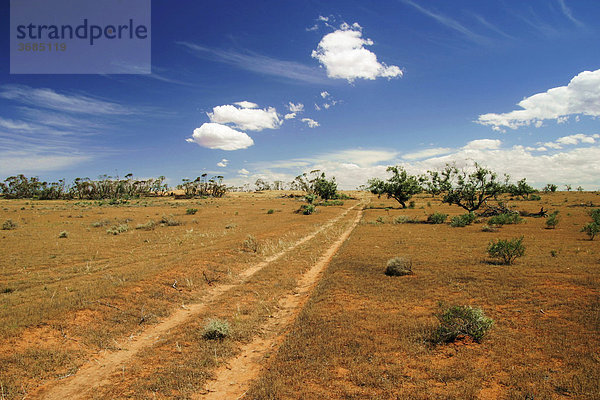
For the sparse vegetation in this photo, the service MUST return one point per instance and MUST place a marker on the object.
(460, 221)
(117, 229)
(508, 250)
(400, 186)
(551, 187)
(250, 244)
(307, 209)
(9, 225)
(216, 329)
(505, 219)
(270, 211)
(63, 235)
(471, 190)
(461, 321)
(593, 228)
(398, 266)
(148, 226)
(552, 220)
(168, 220)
(437, 218)
(191, 211)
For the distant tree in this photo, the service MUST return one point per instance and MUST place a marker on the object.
(551, 187)
(471, 190)
(324, 188)
(261, 185)
(568, 187)
(521, 189)
(436, 183)
(400, 186)
(579, 189)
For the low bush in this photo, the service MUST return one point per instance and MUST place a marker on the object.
(9, 225)
(270, 211)
(169, 221)
(507, 249)
(63, 235)
(398, 266)
(250, 244)
(505, 219)
(460, 221)
(534, 197)
(117, 229)
(99, 224)
(592, 229)
(461, 321)
(437, 218)
(191, 211)
(403, 219)
(307, 209)
(488, 228)
(216, 329)
(552, 220)
(148, 226)
(331, 203)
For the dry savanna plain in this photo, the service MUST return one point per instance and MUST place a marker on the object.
(110, 300)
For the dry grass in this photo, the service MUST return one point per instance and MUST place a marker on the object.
(365, 336)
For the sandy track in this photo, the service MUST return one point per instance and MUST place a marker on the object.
(97, 372)
(233, 379)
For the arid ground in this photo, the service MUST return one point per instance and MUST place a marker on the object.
(109, 301)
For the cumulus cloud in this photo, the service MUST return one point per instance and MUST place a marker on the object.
(217, 136)
(252, 119)
(295, 108)
(580, 97)
(569, 140)
(246, 104)
(324, 94)
(290, 116)
(483, 144)
(310, 122)
(223, 163)
(243, 171)
(344, 56)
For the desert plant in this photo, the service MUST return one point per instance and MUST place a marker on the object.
(9, 225)
(216, 329)
(169, 221)
(521, 189)
(471, 190)
(117, 229)
(507, 249)
(551, 187)
(488, 228)
(270, 211)
(250, 244)
(460, 221)
(63, 235)
(307, 209)
(398, 266)
(552, 220)
(148, 226)
(437, 218)
(401, 186)
(505, 219)
(403, 219)
(191, 211)
(535, 197)
(460, 321)
(325, 189)
(592, 229)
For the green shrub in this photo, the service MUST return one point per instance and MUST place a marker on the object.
(507, 249)
(403, 219)
(411, 204)
(460, 321)
(592, 229)
(169, 221)
(310, 198)
(307, 209)
(505, 219)
(117, 229)
(437, 218)
(534, 197)
(216, 329)
(462, 220)
(270, 211)
(9, 225)
(63, 235)
(331, 203)
(380, 220)
(552, 220)
(148, 226)
(191, 211)
(595, 214)
(398, 266)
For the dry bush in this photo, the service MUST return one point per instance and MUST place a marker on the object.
(398, 266)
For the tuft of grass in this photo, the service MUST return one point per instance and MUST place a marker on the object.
(460, 221)
(250, 244)
(505, 219)
(403, 219)
(216, 329)
(99, 224)
(437, 218)
(398, 266)
(169, 221)
(148, 226)
(117, 229)
(460, 321)
(63, 235)
(488, 228)
(191, 211)
(507, 249)
(9, 225)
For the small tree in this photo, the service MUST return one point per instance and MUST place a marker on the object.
(325, 189)
(521, 189)
(552, 220)
(551, 187)
(507, 249)
(471, 190)
(400, 186)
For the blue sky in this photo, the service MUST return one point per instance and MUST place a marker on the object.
(272, 89)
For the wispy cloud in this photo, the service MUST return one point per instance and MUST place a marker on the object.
(448, 22)
(50, 99)
(491, 26)
(259, 63)
(569, 14)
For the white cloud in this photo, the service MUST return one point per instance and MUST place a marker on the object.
(310, 122)
(580, 96)
(426, 153)
(571, 140)
(243, 171)
(344, 56)
(483, 144)
(290, 116)
(324, 94)
(223, 163)
(246, 104)
(317, 107)
(295, 108)
(360, 157)
(252, 119)
(217, 136)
